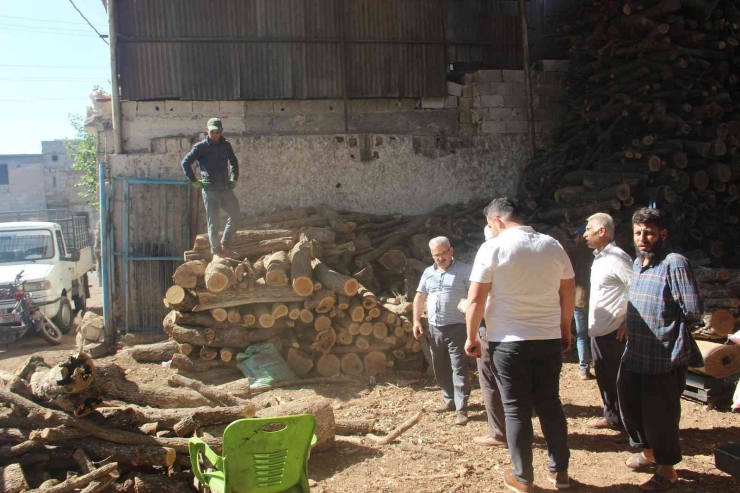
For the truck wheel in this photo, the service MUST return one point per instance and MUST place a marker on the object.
(49, 333)
(80, 300)
(65, 317)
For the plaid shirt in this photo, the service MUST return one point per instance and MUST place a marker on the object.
(663, 301)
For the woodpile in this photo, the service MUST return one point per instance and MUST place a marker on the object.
(332, 291)
(652, 119)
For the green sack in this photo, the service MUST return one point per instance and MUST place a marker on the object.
(263, 365)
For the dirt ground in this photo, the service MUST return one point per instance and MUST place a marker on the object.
(452, 463)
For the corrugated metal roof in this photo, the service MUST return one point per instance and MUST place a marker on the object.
(301, 49)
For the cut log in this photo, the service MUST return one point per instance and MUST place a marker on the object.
(294, 311)
(375, 362)
(400, 309)
(351, 364)
(208, 353)
(77, 482)
(276, 267)
(368, 298)
(260, 294)
(188, 274)
(324, 341)
(220, 337)
(720, 361)
(158, 483)
(322, 411)
(328, 365)
(15, 384)
(245, 237)
(372, 313)
(361, 342)
(322, 235)
(154, 353)
(356, 310)
(298, 361)
(343, 302)
(336, 221)
(168, 418)
(380, 330)
(339, 283)
(711, 275)
(393, 240)
(219, 275)
(181, 299)
(344, 338)
(722, 322)
(13, 435)
(322, 322)
(248, 317)
(279, 310)
(306, 316)
(301, 272)
(263, 316)
(199, 366)
(322, 301)
(366, 328)
(394, 261)
(354, 426)
(227, 353)
(134, 455)
(220, 314)
(234, 316)
(12, 479)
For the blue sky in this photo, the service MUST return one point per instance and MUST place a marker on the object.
(49, 62)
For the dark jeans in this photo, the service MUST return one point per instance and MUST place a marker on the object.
(489, 390)
(216, 198)
(651, 411)
(580, 315)
(447, 344)
(607, 351)
(528, 374)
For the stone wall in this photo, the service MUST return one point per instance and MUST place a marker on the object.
(25, 188)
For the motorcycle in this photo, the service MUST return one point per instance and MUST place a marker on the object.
(25, 316)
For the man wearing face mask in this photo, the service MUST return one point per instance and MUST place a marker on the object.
(441, 287)
(213, 156)
(664, 302)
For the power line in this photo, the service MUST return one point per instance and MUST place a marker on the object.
(83, 16)
(47, 28)
(46, 32)
(41, 20)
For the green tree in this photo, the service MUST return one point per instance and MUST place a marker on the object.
(84, 153)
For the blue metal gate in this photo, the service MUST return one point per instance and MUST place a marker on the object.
(155, 232)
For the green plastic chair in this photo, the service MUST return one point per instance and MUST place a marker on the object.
(257, 460)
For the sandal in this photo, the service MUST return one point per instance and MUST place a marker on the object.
(658, 483)
(638, 462)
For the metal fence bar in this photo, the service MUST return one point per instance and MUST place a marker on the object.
(127, 250)
(105, 256)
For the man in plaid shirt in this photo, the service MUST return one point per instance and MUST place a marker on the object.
(664, 302)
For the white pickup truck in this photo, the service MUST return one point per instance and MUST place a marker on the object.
(53, 249)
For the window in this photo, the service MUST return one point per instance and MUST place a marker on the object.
(4, 174)
(54, 157)
(60, 242)
(16, 246)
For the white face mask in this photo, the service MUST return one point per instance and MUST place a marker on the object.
(487, 233)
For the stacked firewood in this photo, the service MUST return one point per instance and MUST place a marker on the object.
(122, 436)
(331, 291)
(652, 121)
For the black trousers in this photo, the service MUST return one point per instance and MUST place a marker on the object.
(651, 411)
(528, 375)
(607, 353)
(489, 390)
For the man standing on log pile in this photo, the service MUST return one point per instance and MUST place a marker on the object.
(611, 274)
(524, 282)
(664, 302)
(213, 155)
(443, 285)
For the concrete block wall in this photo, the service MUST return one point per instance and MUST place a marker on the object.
(25, 188)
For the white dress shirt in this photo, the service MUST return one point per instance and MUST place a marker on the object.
(611, 275)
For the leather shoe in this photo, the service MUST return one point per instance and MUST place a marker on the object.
(462, 418)
(514, 485)
(600, 424)
(489, 441)
(444, 408)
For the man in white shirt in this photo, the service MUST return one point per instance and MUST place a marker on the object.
(524, 282)
(611, 275)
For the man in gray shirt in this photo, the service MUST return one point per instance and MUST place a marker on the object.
(442, 286)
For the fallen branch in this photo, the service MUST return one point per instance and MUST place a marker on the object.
(208, 391)
(79, 481)
(397, 432)
(298, 383)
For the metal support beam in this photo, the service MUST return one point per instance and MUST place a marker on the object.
(115, 92)
(527, 74)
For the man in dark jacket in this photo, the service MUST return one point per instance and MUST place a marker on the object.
(213, 156)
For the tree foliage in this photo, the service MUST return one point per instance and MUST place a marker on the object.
(84, 153)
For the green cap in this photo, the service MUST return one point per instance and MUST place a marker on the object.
(215, 124)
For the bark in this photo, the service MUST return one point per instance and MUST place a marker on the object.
(208, 391)
(260, 294)
(199, 366)
(354, 426)
(264, 316)
(135, 339)
(322, 301)
(366, 276)
(188, 274)
(406, 425)
(158, 483)
(189, 424)
(77, 482)
(419, 245)
(181, 299)
(375, 362)
(322, 411)
(12, 479)
(322, 235)
(208, 353)
(351, 364)
(339, 283)
(154, 353)
(13, 435)
(12, 383)
(219, 275)
(328, 365)
(720, 361)
(298, 361)
(394, 261)
(244, 237)
(247, 249)
(368, 298)
(134, 455)
(395, 239)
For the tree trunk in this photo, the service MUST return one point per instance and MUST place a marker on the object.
(368, 298)
(380, 330)
(328, 365)
(324, 341)
(277, 266)
(351, 364)
(294, 311)
(354, 426)
(219, 275)
(234, 316)
(301, 272)
(322, 235)
(12, 479)
(181, 299)
(158, 483)
(12, 383)
(188, 274)
(228, 353)
(263, 316)
(366, 276)
(322, 411)
(194, 319)
(322, 301)
(208, 391)
(198, 367)
(720, 361)
(721, 321)
(306, 316)
(208, 353)
(339, 283)
(394, 261)
(77, 482)
(220, 315)
(375, 362)
(220, 337)
(356, 310)
(298, 361)
(134, 455)
(154, 353)
(279, 310)
(260, 294)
